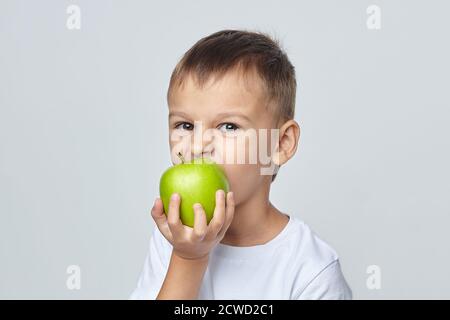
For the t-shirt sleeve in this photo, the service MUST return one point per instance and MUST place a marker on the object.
(154, 270)
(328, 284)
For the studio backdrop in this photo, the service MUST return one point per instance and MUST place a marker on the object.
(83, 143)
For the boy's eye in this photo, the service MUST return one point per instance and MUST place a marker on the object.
(184, 126)
(228, 127)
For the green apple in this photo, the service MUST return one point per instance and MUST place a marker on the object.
(196, 182)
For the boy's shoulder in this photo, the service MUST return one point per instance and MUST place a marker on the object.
(308, 248)
(308, 242)
(313, 259)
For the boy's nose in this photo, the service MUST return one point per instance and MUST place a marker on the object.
(200, 150)
(202, 144)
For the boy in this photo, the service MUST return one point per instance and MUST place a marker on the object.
(228, 84)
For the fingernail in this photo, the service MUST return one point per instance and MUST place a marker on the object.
(220, 193)
(175, 197)
(197, 206)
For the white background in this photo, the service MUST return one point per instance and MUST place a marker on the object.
(83, 136)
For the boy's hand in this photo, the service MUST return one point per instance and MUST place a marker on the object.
(197, 242)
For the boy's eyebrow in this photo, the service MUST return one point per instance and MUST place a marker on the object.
(178, 113)
(232, 114)
(219, 115)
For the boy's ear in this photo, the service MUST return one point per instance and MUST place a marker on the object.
(289, 136)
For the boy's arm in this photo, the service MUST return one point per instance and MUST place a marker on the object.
(190, 246)
(183, 278)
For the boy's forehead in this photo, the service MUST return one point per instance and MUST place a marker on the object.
(234, 89)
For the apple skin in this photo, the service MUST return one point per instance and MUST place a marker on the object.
(196, 182)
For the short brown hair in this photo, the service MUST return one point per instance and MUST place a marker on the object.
(224, 50)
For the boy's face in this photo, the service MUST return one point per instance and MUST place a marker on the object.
(218, 121)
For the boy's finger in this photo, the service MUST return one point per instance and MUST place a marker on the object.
(160, 218)
(200, 225)
(173, 216)
(229, 214)
(218, 219)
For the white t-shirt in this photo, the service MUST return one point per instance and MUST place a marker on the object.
(296, 264)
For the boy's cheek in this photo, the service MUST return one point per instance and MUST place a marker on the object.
(243, 179)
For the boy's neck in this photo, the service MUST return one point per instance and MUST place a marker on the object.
(256, 221)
